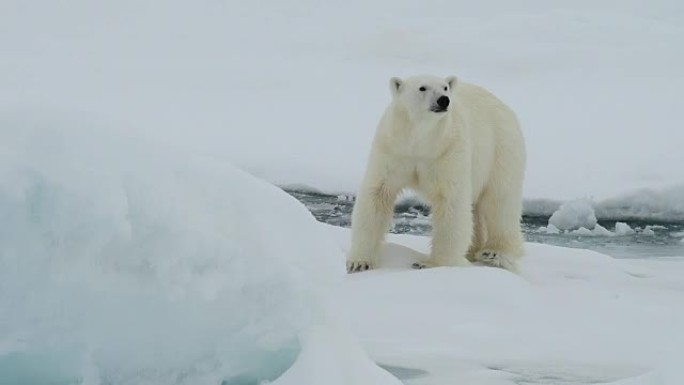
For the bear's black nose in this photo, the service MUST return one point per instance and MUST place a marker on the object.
(443, 101)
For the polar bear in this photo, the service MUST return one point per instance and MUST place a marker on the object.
(461, 149)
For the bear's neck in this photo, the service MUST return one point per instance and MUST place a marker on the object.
(426, 124)
(424, 139)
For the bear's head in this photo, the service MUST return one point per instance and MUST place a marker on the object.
(423, 96)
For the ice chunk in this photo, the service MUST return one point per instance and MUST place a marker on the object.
(550, 229)
(601, 231)
(648, 231)
(573, 215)
(648, 204)
(597, 231)
(126, 264)
(622, 228)
(583, 231)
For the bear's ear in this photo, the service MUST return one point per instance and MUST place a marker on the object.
(451, 81)
(395, 85)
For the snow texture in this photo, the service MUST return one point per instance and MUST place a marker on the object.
(122, 263)
(332, 356)
(571, 317)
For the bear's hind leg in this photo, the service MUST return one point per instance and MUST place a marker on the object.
(479, 235)
(452, 230)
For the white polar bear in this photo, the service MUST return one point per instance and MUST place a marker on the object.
(461, 149)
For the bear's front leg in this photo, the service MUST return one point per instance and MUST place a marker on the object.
(452, 230)
(371, 219)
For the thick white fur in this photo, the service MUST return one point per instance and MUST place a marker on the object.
(468, 163)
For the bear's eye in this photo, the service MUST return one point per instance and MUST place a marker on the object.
(445, 88)
(421, 89)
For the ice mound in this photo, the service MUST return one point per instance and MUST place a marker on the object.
(574, 215)
(123, 264)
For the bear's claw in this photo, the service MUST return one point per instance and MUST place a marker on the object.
(489, 257)
(358, 266)
(497, 259)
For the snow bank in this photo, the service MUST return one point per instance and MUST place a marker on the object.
(121, 263)
(571, 317)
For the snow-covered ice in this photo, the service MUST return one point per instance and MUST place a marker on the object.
(124, 263)
(571, 317)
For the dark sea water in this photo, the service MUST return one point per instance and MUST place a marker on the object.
(649, 239)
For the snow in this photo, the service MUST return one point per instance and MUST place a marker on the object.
(291, 91)
(571, 317)
(573, 215)
(122, 262)
(332, 356)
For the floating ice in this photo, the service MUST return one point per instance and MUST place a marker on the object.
(601, 231)
(582, 231)
(573, 215)
(647, 204)
(664, 204)
(550, 229)
(622, 228)
(648, 231)
(121, 264)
